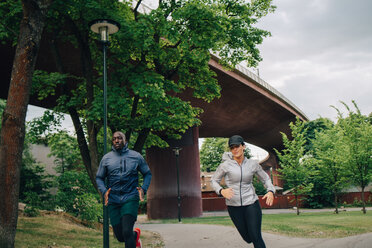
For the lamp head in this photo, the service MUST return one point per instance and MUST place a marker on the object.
(104, 27)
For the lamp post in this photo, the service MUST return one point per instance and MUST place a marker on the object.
(104, 28)
(177, 153)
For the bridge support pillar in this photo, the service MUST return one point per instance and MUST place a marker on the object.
(162, 195)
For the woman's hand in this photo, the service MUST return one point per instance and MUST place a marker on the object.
(227, 193)
(107, 196)
(269, 198)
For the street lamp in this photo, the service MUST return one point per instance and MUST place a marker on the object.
(177, 153)
(104, 28)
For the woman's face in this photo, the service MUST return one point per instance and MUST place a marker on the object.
(237, 150)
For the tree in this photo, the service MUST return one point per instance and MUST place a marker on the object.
(154, 59)
(13, 120)
(65, 150)
(321, 194)
(313, 127)
(211, 153)
(35, 183)
(294, 162)
(331, 154)
(357, 134)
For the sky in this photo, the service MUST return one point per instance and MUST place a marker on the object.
(319, 53)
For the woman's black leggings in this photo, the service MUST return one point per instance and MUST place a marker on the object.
(247, 220)
(124, 231)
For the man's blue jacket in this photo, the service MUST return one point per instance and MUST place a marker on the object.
(121, 169)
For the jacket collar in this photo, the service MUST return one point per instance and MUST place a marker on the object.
(123, 150)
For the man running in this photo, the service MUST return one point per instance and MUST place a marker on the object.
(121, 166)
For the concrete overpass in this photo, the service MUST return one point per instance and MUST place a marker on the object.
(248, 106)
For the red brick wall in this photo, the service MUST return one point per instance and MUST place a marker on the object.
(352, 197)
(212, 202)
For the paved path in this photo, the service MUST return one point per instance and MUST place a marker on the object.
(215, 236)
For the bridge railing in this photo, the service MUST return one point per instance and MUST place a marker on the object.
(267, 86)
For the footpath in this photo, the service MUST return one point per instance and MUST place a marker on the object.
(215, 236)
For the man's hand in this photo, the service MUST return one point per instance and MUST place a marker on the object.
(141, 194)
(227, 193)
(107, 196)
(269, 198)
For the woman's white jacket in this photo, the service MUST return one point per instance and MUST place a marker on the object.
(240, 178)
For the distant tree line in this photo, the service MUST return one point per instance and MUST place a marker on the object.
(320, 158)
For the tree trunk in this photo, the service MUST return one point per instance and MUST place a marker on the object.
(13, 123)
(297, 205)
(336, 205)
(140, 142)
(363, 202)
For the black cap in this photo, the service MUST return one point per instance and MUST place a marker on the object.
(236, 140)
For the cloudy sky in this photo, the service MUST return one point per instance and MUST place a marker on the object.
(320, 53)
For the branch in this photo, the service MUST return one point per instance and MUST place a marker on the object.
(138, 146)
(132, 116)
(136, 10)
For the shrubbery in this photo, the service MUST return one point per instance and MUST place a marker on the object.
(76, 195)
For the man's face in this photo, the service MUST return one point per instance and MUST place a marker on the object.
(117, 141)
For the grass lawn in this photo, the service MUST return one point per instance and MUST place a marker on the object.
(307, 225)
(54, 231)
(57, 231)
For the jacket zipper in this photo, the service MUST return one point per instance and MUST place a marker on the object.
(241, 179)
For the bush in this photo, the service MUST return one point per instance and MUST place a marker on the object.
(77, 196)
(31, 211)
(89, 208)
(35, 183)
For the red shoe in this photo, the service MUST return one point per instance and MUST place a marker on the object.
(138, 240)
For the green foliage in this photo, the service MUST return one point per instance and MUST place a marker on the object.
(321, 194)
(259, 187)
(31, 211)
(357, 138)
(89, 208)
(35, 184)
(357, 132)
(331, 153)
(2, 107)
(76, 195)
(65, 150)
(142, 209)
(313, 127)
(308, 225)
(149, 51)
(11, 13)
(44, 84)
(294, 163)
(154, 59)
(211, 153)
(39, 129)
